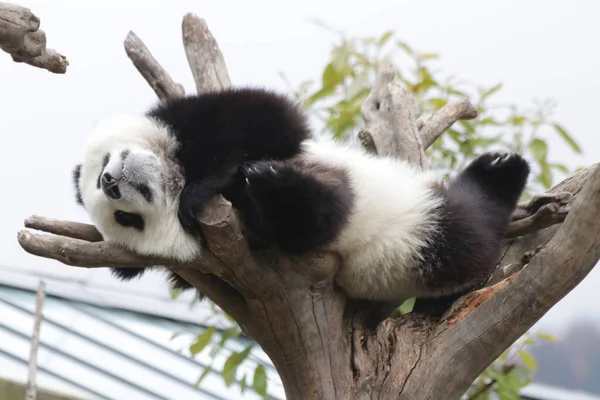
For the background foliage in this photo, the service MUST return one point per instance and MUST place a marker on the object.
(334, 102)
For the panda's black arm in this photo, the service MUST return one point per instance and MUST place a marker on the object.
(294, 210)
(193, 200)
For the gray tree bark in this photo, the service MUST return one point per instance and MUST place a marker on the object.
(21, 37)
(313, 334)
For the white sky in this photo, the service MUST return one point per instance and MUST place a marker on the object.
(537, 48)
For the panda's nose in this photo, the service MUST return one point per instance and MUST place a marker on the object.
(110, 186)
(107, 178)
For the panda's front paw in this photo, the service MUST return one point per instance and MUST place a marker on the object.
(261, 173)
(264, 177)
(189, 212)
(188, 220)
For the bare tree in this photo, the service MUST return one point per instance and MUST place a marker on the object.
(313, 334)
(21, 37)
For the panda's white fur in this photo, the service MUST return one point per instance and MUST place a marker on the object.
(147, 138)
(401, 232)
(395, 212)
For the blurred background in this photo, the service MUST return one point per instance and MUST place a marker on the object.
(532, 68)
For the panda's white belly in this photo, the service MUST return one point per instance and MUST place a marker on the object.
(381, 276)
(394, 212)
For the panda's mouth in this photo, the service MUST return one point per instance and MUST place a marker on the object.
(124, 175)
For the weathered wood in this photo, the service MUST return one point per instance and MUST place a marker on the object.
(75, 230)
(389, 115)
(432, 126)
(21, 37)
(204, 56)
(316, 338)
(156, 76)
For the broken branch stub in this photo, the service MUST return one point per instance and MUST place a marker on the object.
(389, 115)
(156, 76)
(21, 37)
(204, 56)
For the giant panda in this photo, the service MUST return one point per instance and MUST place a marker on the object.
(145, 178)
(400, 232)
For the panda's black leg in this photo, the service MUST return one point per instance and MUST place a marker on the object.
(498, 177)
(296, 206)
(484, 195)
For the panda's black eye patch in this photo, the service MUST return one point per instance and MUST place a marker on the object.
(105, 161)
(129, 220)
(144, 191)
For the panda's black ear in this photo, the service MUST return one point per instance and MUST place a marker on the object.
(76, 176)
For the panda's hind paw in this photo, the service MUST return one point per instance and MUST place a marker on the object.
(510, 164)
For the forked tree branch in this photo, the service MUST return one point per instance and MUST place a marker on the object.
(204, 56)
(390, 126)
(314, 335)
(156, 76)
(432, 126)
(21, 37)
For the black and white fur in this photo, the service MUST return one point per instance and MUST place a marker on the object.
(400, 231)
(145, 178)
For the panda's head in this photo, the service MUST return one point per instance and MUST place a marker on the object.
(129, 183)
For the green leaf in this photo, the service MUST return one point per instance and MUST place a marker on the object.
(405, 47)
(428, 56)
(229, 333)
(357, 86)
(545, 336)
(243, 384)
(202, 340)
(528, 360)
(229, 369)
(468, 125)
(339, 57)
(560, 167)
(331, 77)
(201, 378)
(260, 380)
(488, 121)
(518, 120)
(232, 363)
(545, 177)
(384, 38)
(539, 149)
(407, 306)
(437, 103)
(491, 91)
(563, 133)
(319, 95)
